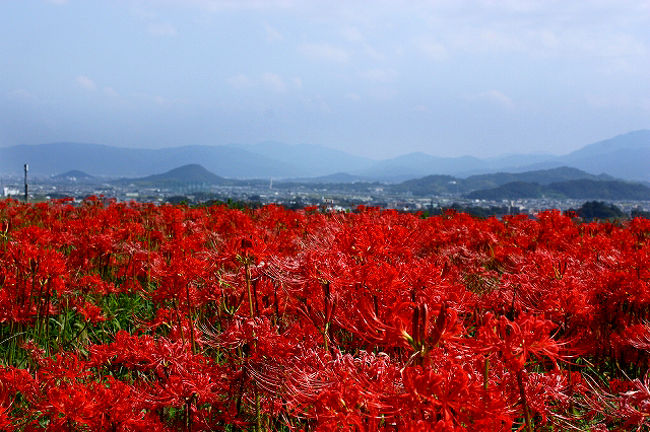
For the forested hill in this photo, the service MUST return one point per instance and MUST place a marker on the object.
(574, 189)
(442, 184)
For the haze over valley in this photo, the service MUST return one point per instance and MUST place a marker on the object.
(625, 156)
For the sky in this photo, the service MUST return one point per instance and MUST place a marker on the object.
(373, 78)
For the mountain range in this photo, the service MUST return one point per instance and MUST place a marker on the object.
(624, 156)
(563, 182)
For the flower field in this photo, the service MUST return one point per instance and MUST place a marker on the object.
(127, 317)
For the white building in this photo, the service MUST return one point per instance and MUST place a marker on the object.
(8, 191)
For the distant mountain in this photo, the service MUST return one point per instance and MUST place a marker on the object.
(439, 184)
(514, 190)
(430, 185)
(635, 140)
(313, 160)
(515, 161)
(340, 177)
(73, 175)
(415, 165)
(543, 177)
(624, 156)
(575, 189)
(610, 190)
(105, 160)
(184, 175)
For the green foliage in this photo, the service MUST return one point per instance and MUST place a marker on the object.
(599, 210)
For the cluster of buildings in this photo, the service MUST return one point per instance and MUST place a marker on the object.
(339, 196)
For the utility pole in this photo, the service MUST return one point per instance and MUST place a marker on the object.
(26, 187)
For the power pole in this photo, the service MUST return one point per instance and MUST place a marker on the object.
(26, 187)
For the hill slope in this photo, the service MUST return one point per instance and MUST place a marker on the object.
(575, 189)
(439, 184)
(184, 175)
(625, 156)
(73, 175)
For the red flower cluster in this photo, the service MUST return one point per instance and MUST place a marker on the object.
(140, 317)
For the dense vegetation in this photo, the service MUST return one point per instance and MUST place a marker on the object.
(140, 317)
(444, 184)
(599, 210)
(573, 189)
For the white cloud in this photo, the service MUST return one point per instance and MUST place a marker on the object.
(269, 81)
(161, 101)
(373, 53)
(85, 82)
(110, 92)
(240, 81)
(490, 40)
(219, 5)
(564, 36)
(274, 82)
(22, 95)
(495, 97)
(316, 103)
(325, 52)
(513, 6)
(379, 75)
(612, 101)
(352, 34)
(162, 29)
(644, 103)
(383, 93)
(272, 34)
(433, 49)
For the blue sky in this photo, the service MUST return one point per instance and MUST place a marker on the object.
(375, 78)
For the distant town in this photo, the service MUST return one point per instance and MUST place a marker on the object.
(194, 185)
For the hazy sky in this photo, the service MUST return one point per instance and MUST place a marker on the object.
(376, 78)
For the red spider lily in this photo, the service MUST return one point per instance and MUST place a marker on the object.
(515, 341)
(626, 407)
(373, 320)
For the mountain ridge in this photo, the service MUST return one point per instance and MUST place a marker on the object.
(623, 156)
(73, 175)
(185, 174)
(454, 185)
